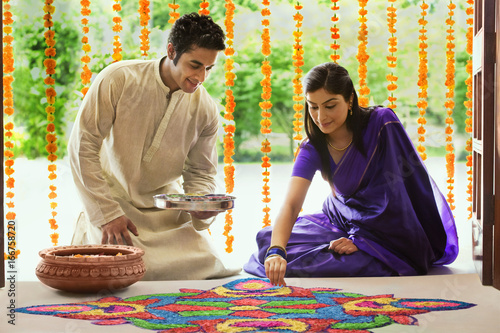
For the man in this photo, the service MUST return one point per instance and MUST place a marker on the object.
(149, 127)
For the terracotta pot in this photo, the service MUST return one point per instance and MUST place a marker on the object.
(99, 268)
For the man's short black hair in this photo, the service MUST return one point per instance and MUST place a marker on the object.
(194, 30)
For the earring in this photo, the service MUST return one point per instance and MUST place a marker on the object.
(350, 111)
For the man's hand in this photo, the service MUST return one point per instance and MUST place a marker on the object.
(343, 246)
(203, 215)
(117, 231)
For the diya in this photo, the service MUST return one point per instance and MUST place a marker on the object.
(90, 268)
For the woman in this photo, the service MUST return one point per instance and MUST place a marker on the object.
(385, 215)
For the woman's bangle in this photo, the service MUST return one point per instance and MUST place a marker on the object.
(277, 247)
(276, 250)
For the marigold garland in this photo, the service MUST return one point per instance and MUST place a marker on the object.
(144, 21)
(51, 137)
(335, 32)
(362, 56)
(117, 28)
(8, 109)
(266, 106)
(298, 62)
(228, 115)
(422, 79)
(204, 8)
(86, 74)
(174, 15)
(468, 102)
(392, 59)
(449, 103)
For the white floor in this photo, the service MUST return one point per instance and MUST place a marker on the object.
(33, 211)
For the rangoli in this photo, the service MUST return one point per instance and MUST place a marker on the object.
(251, 305)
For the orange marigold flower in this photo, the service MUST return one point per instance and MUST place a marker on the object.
(50, 137)
(49, 81)
(50, 92)
(50, 52)
(10, 171)
(10, 182)
(266, 105)
(49, 63)
(265, 122)
(51, 148)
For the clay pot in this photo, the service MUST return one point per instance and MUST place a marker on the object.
(99, 269)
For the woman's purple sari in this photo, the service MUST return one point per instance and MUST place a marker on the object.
(384, 201)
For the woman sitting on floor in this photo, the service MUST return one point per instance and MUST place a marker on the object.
(385, 215)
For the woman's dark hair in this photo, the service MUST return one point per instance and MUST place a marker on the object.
(194, 30)
(334, 79)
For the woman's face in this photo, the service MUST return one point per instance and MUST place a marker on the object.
(328, 111)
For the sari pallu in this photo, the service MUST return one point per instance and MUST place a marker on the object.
(384, 201)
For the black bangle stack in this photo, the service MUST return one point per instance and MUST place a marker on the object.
(276, 250)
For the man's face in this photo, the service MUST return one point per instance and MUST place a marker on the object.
(192, 69)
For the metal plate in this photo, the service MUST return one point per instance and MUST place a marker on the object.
(208, 202)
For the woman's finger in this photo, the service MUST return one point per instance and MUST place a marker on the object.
(269, 269)
(282, 272)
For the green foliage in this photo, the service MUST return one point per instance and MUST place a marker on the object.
(29, 89)
(160, 10)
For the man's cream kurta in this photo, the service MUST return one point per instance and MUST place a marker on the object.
(132, 140)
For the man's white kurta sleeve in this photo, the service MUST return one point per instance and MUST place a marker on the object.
(92, 125)
(200, 168)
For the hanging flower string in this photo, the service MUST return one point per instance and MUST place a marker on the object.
(392, 59)
(144, 21)
(266, 106)
(335, 32)
(468, 102)
(422, 79)
(117, 28)
(8, 109)
(174, 15)
(229, 128)
(449, 103)
(204, 8)
(86, 74)
(50, 92)
(298, 62)
(362, 56)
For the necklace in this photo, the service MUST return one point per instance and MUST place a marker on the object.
(339, 149)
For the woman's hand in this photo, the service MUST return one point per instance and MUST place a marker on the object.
(343, 246)
(275, 270)
(117, 231)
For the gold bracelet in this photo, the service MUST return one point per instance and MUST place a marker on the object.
(276, 247)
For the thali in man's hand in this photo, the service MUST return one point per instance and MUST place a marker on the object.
(189, 202)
